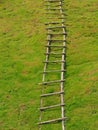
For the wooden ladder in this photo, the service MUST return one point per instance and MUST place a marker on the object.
(54, 65)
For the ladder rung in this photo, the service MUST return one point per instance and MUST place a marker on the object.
(54, 53)
(53, 106)
(55, 13)
(56, 81)
(54, 23)
(55, 27)
(53, 5)
(56, 17)
(51, 94)
(52, 1)
(56, 33)
(53, 8)
(54, 71)
(55, 40)
(54, 46)
(59, 61)
(52, 121)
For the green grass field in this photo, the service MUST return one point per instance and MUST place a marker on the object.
(22, 40)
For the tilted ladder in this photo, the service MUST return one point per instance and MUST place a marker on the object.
(54, 66)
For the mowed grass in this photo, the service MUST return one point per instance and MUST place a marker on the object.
(21, 53)
(81, 88)
(22, 39)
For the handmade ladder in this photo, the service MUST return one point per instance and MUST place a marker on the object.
(52, 97)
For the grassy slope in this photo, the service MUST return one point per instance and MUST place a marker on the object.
(21, 36)
(21, 51)
(82, 65)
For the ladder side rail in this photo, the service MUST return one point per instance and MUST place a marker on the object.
(62, 74)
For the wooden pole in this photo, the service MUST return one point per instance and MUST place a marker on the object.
(62, 73)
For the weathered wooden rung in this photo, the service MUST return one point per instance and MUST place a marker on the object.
(51, 94)
(54, 53)
(56, 81)
(51, 71)
(55, 46)
(53, 0)
(49, 107)
(55, 27)
(53, 5)
(55, 13)
(54, 23)
(53, 8)
(56, 17)
(56, 40)
(51, 121)
(59, 61)
(56, 33)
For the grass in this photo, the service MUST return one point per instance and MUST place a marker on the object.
(82, 65)
(22, 39)
(21, 53)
